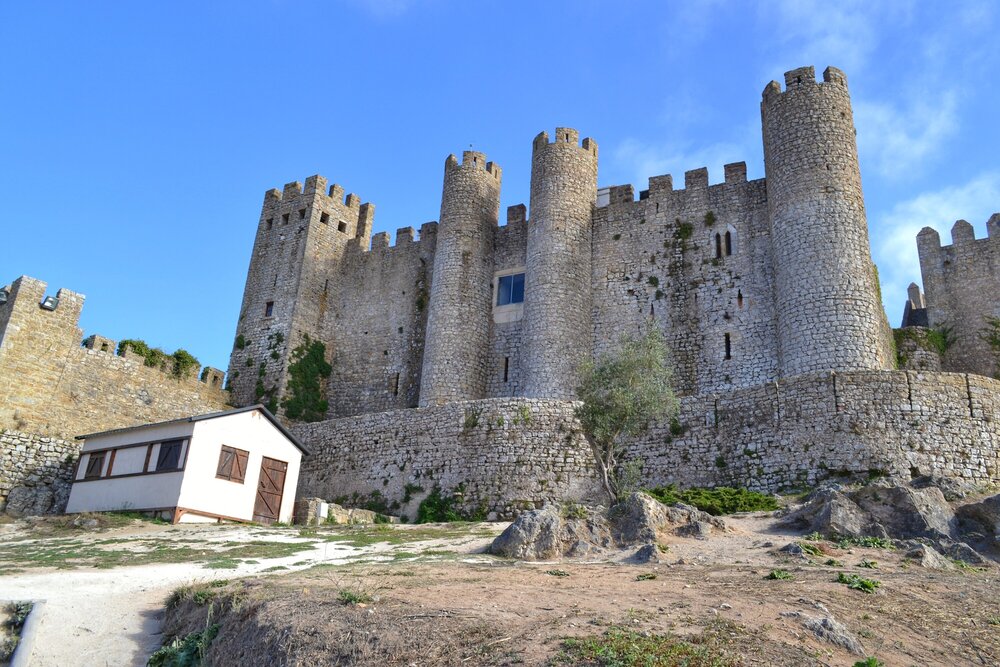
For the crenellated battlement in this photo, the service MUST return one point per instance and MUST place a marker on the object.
(803, 78)
(962, 233)
(315, 185)
(406, 239)
(564, 135)
(695, 181)
(473, 160)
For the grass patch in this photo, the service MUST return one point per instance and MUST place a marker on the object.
(858, 583)
(810, 549)
(622, 647)
(778, 575)
(870, 661)
(557, 573)
(186, 652)
(718, 501)
(869, 564)
(363, 536)
(866, 542)
(645, 576)
(347, 596)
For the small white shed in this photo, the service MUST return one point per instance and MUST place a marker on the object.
(239, 465)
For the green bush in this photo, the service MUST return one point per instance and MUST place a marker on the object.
(305, 398)
(187, 652)
(438, 508)
(858, 583)
(717, 501)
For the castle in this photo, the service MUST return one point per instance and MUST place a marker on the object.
(450, 360)
(751, 281)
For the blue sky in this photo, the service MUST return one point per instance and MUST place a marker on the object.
(138, 139)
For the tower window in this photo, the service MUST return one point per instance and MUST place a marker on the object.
(342, 227)
(324, 218)
(302, 214)
(718, 245)
(510, 289)
(269, 309)
(395, 385)
(284, 218)
(506, 369)
(729, 347)
(270, 223)
(729, 243)
(739, 299)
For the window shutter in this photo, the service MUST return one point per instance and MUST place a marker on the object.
(240, 467)
(94, 465)
(225, 463)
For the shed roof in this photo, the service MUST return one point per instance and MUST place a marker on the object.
(212, 415)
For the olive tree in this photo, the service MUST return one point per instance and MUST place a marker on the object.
(623, 393)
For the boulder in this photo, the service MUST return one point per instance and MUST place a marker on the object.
(833, 631)
(30, 501)
(904, 512)
(641, 518)
(952, 488)
(546, 534)
(926, 556)
(983, 518)
(830, 511)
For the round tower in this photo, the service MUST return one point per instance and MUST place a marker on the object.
(458, 320)
(557, 290)
(829, 312)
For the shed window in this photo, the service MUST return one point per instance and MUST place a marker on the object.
(232, 464)
(95, 464)
(169, 457)
(510, 290)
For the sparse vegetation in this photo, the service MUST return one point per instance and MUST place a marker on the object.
(347, 596)
(865, 542)
(557, 573)
(623, 647)
(186, 652)
(179, 364)
(622, 394)
(718, 501)
(858, 583)
(870, 661)
(645, 576)
(308, 368)
(778, 575)
(439, 508)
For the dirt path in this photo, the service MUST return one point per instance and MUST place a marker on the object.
(113, 616)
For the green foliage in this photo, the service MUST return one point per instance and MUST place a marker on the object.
(858, 583)
(676, 429)
(187, 652)
(241, 342)
(306, 372)
(870, 661)
(18, 612)
(346, 596)
(814, 536)
(471, 420)
(654, 281)
(720, 461)
(438, 508)
(869, 564)
(180, 363)
(571, 510)
(866, 542)
(778, 575)
(624, 647)
(810, 549)
(557, 573)
(409, 490)
(622, 394)
(718, 501)
(616, 237)
(709, 219)
(645, 576)
(684, 231)
(991, 336)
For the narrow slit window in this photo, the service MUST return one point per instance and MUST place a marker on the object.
(729, 347)
(718, 246)
(510, 289)
(324, 218)
(270, 223)
(506, 369)
(269, 309)
(739, 299)
(395, 385)
(729, 243)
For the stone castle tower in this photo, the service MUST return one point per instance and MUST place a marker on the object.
(750, 281)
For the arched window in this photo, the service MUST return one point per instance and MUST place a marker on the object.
(718, 245)
(729, 243)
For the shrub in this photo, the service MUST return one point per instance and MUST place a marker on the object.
(717, 501)
(858, 583)
(305, 398)
(778, 575)
(438, 508)
(187, 652)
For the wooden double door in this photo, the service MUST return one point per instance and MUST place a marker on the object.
(270, 485)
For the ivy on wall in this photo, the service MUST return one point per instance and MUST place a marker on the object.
(179, 364)
(304, 400)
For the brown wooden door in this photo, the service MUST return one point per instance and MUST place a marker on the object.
(267, 509)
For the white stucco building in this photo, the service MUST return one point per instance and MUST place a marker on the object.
(239, 465)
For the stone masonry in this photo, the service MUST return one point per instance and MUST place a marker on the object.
(36, 472)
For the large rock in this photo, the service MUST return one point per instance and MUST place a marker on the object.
(905, 512)
(30, 501)
(983, 518)
(829, 511)
(638, 521)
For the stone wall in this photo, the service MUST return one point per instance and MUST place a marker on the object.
(50, 383)
(505, 454)
(779, 436)
(38, 470)
(962, 288)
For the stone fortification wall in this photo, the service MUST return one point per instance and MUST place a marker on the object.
(505, 454)
(829, 314)
(51, 384)
(666, 259)
(36, 472)
(376, 325)
(777, 436)
(962, 288)
(458, 326)
(504, 372)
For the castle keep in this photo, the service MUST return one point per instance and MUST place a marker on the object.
(454, 355)
(751, 281)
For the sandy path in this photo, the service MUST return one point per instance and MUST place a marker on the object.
(112, 617)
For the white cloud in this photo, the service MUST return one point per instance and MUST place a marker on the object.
(636, 162)
(895, 233)
(900, 137)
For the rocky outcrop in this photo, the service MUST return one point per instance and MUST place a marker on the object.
(638, 525)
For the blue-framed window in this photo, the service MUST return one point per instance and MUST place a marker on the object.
(510, 290)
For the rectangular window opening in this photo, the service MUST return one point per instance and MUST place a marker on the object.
(95, 465)
(269, 309)
(506, 369)
(510, 289)
(342, 227)
(232, 464)
(270, 223)
(302, 214)
(284, 218)
(324, 218)
(729, 347)
(169, 457)
(395, 385)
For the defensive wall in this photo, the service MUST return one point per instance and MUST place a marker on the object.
(53, 383)
(36, 472)
(505, 455)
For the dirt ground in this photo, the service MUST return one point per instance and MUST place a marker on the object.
(466, 609)
(427, 595)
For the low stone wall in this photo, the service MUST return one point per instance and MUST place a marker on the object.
(502, 455)
(784, 435)
(36, 472)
